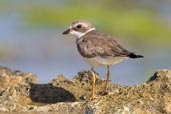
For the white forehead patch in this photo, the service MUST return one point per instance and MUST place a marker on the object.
(70, 26)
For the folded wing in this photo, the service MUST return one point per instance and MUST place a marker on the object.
(98, 44)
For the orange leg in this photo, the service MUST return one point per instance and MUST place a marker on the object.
(107, 80)
(93, 96)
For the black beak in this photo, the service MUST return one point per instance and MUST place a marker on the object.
(66, 32)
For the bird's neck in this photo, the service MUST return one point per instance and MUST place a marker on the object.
(79, 39)
(90, 30)
(83, 34)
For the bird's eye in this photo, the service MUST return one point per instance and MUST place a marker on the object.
(79, 26)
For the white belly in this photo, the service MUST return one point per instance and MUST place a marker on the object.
(98, 61)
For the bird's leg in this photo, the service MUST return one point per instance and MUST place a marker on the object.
(93, 96)
(107, 80)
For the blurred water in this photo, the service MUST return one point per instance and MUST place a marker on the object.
(47, 53)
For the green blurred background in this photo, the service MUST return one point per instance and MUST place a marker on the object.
(31, 36)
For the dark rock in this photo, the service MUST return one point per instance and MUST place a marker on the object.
(47, 93)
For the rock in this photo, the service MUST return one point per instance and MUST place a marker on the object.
(153, 97)
(20, 92)
(14, 89)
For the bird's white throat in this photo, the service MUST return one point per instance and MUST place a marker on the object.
(80, 34)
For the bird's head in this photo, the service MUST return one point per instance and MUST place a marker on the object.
(79, 28)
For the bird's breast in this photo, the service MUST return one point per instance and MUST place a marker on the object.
(100, 61)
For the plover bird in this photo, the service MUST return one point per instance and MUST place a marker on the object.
(98, 49)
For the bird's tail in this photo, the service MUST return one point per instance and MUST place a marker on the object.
(133, 55)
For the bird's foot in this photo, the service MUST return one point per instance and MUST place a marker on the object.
(92, 97)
